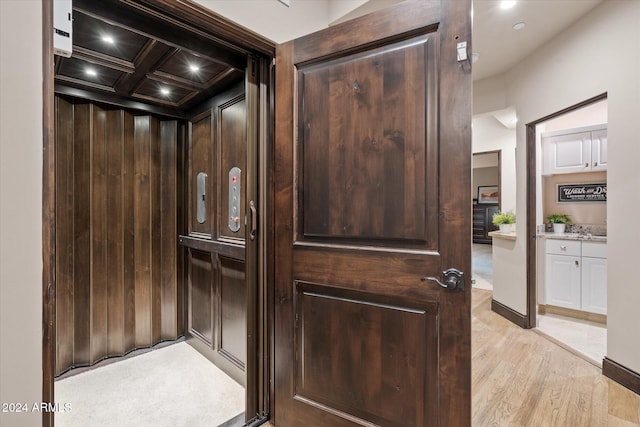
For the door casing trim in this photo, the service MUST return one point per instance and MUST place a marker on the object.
(532, 302)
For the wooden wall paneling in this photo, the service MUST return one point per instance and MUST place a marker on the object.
(169, 231)
(182, 169)
(201, 273)
(82, 233)
(232, 314)
(117, 210)
(155, 231)
(231, 143)
(64, 234)
(98, 297)
(142, 231)
(115, 232)
(264, 318)
(202, 161)
(128, 229)
(189, 188)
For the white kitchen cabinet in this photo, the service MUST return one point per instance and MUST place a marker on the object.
(599, 150)
(576, 275)
(594, 277)
(594, 285)
(575, 150)
(563, 275)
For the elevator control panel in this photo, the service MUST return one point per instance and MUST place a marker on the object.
(234, 199)
(201, 197)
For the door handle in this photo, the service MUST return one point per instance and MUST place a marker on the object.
(453, 279)
(254, 220)
(201, 197)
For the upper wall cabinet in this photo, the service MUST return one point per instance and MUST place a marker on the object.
(575, 150)
(599, 149)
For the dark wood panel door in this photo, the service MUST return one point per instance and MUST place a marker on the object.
(372, 176)
(219, 282)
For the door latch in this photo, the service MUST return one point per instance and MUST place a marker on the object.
(453, 279)
(201, 197)
(462, 54)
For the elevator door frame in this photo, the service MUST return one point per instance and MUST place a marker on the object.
(184, 14)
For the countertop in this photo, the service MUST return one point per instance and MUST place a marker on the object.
(504, 235)
(573, 236)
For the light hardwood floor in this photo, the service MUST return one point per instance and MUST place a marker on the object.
(520, 378)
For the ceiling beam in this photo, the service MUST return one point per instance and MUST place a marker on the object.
(157, 27)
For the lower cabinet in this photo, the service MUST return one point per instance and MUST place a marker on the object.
(594, 285)
(576, 275)
(563, 278)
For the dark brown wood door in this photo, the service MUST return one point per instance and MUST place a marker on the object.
(217, 279)
(372, 180)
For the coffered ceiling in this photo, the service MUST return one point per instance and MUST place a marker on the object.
(126, 55)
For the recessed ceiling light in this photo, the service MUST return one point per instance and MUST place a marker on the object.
(164, 91)
(507, 4)
(194, 68)
(108, 39)
(518, 26)
(91, 72)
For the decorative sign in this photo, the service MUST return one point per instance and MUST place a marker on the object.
(582, 192)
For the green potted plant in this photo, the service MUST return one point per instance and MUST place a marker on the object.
(506, 221)
(559, 222)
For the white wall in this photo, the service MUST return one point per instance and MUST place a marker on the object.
(339, 8)
(20, 208)
(276, 21)
(600, 53)
(365, 8)
(507, 270)
(483, 177)
(489, 95)
(279, 23)
(488, 134)
(594, 114)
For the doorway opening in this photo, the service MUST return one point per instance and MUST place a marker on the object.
(568, 177)
(158, 147)
(493, 187)
(486, 195)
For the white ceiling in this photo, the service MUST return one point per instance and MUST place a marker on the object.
(500, 47)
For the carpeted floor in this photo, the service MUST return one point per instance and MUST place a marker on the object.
(171, 386)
